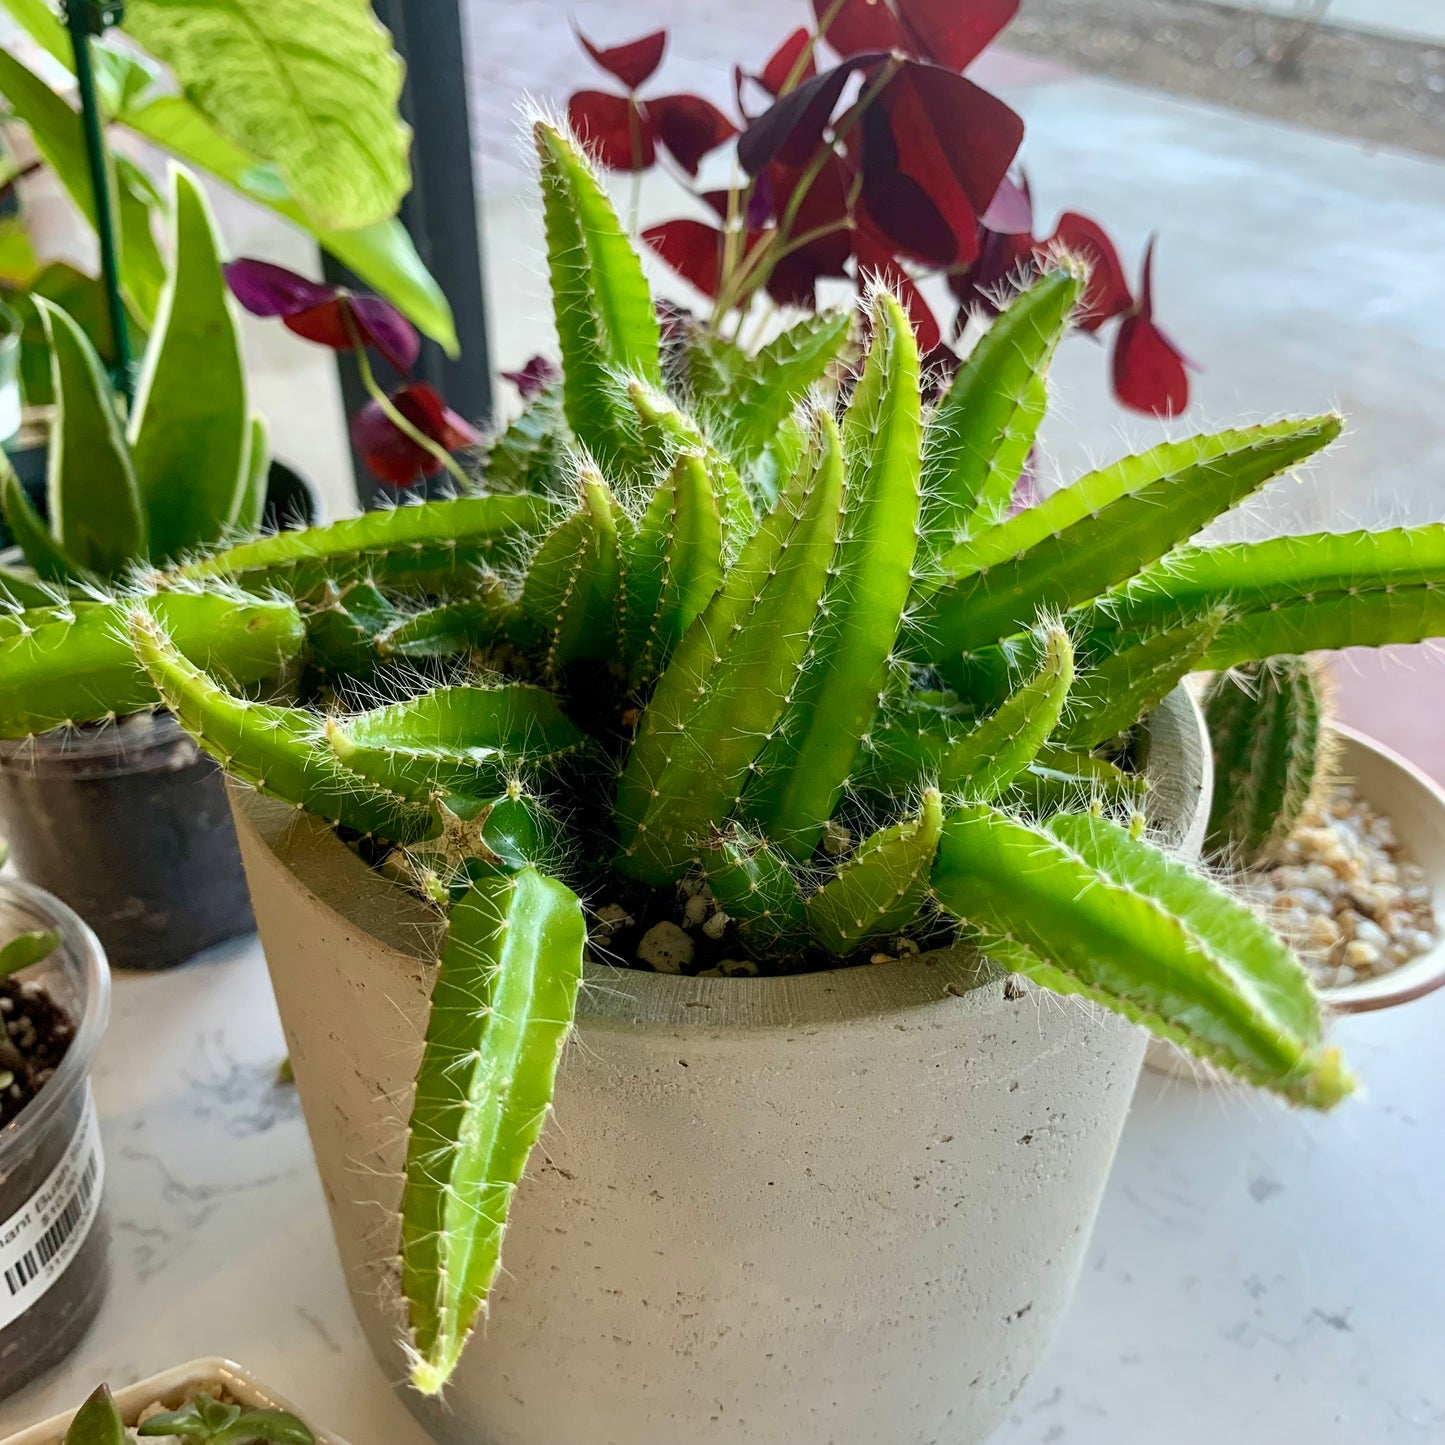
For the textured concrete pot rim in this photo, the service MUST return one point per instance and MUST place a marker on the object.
(172, 1388)
(1426, 973)
(1177, 762)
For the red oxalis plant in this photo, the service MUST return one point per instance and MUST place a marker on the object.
(869, 155)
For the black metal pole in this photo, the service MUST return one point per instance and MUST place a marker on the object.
(84, 18)
(440, 213)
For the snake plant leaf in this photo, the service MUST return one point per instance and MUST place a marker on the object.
(746, 408)
(805, 767)
(280, 751)
(309, 86)
(729, 680)
(501, 1008)
(605, 319)
(56, 130)
(1083, 907)
(881, 888)
(572, 594)
(95, 507)
(73, 664)
(1086, 538)
(189, 431)
(1270, 747)
(51, 562)
(981, 432)
(1123, 686)
(755, 886)
(672, 565)
(437, 548)
(468, 740)
(97, 1422)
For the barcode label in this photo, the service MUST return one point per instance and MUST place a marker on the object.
(40, 1239)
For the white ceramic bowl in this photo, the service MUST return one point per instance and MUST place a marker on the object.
(172, 1388)
(1415, 805)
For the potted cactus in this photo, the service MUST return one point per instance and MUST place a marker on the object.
(54, 990)
(121, 814)
(1342, 841)
(775, 684)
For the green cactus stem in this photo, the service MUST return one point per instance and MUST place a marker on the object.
(881, 888)
(279, 751)
(501, 1008)
(1270, 745)
(803, 771)
(479, 621)
(439, 547)
(980, 435)
(755, 886)
(1060, 781)
(730, 679)
(74, 663)
(1099, 531)
(530, 453)
(1081, 906)
(672, 565)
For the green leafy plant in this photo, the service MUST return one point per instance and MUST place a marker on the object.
(759, 624)
(33, 946)
(293, 104)
(205, 1418)
(186, 468)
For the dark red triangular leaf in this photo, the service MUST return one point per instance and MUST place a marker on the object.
(855, 26)
(821, 222)
(783, 63)
(1011, 210)
(1149, 373)
(632, 63)
(936, 149)
(692, 248)
(689, 127)
(1107, 294)
(791, 130)
(613, 130)
(955, 32)
(391, 455)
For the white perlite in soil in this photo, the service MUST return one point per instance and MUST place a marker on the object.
(1342, 894)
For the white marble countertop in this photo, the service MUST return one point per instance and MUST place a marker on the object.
(1257, 1276)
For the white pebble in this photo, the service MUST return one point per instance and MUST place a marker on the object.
(665, 948)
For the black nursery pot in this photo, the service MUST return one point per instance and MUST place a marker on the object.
(127, 822)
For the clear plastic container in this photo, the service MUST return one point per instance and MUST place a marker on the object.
(54, 1241)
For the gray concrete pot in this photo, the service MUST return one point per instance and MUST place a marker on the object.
(846, 1208)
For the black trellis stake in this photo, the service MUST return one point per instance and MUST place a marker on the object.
(84, 18)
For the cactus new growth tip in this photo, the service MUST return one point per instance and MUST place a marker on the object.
(760, 624)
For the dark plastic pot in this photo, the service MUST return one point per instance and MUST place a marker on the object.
(128, 823)
(54, 1243)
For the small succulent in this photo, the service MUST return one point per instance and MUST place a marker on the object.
(1271, 742)
(204, 1418)
(763, 621)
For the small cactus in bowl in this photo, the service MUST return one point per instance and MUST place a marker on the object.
(764, 622)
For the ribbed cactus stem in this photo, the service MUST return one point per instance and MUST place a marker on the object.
(755, 886)
(1271, 750)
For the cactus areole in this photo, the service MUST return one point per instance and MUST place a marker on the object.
(680, 632)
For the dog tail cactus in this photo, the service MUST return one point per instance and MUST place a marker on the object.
(747, 633)
(1271, 742)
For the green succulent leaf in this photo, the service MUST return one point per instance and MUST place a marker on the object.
(97, 1422)
(26, 949)
(309, 86)
(881, 888)
(1083, 907)
(190, 443)
(95, 508)
(501, 1007)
